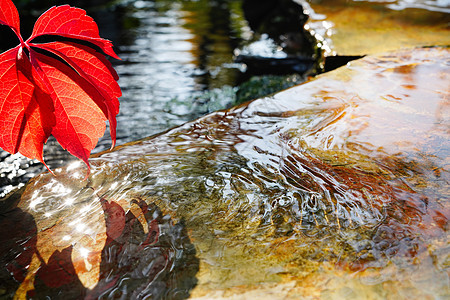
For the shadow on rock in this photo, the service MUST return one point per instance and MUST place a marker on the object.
(17, 246)
(160, 263)
(152, 258)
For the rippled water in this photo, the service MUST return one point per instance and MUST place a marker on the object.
(161, 73)
(332, 189)
(178, 64)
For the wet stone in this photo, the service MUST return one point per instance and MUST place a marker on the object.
(353, 27)
(336, 188)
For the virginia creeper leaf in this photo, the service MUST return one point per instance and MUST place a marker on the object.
(79, 122)
(71, 22)
(63, 88)
(9, 15)
(26, 116)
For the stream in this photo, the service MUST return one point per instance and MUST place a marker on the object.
(336, 188)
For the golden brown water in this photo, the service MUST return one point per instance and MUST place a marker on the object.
(335, 189)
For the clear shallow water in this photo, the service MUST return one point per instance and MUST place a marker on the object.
(335, 188)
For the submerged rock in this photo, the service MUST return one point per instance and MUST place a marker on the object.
(353, 27)
(337, 188)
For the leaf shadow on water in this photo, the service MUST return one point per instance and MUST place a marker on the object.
(136, 262)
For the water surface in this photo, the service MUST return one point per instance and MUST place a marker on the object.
(335, 188)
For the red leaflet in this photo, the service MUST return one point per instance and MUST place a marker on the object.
(71, 22)
(20, 101)
(9, 15)
(93, 67)
(69, 97)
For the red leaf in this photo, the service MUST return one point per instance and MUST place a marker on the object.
(73, 23)
(25, 122)
(70, 97)
(15, 94)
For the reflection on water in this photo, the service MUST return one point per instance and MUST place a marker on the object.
(177, 64)
(336, 188)
(179, 50)
(157, 67)
(138, 254)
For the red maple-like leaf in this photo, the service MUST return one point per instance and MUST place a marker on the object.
(65, 88)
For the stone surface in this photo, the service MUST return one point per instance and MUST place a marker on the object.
(367, 27)
(337, 188)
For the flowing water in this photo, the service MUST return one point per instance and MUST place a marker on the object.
(333, 189)
(336, 189)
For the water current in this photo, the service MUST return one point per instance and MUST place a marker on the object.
(332, 188)
(335, 189)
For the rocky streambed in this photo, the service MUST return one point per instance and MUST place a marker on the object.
(333, 189)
